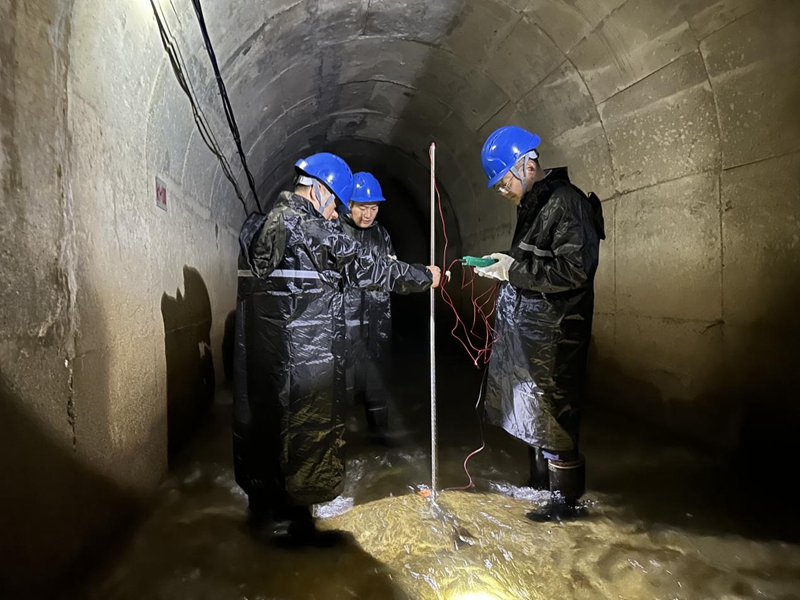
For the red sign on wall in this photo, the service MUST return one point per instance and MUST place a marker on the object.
(161, 194)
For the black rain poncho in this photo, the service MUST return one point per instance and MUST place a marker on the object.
(368, 318)
(289, 373)
(544, 316)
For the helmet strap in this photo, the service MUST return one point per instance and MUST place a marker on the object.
(523, 176)
(318, 192)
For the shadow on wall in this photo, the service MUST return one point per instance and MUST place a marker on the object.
(59, 516)
(618, 387)
(190, 367)
(746, 410)
(762, 380)
(744, 413)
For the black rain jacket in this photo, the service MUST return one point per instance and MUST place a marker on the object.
(544, 315)
(289, 389)
(368, 313)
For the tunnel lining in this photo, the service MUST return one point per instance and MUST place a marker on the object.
(731, 386)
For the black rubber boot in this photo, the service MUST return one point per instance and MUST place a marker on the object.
(540, 478)
(567, 485)
(295, 528)
(260, 517)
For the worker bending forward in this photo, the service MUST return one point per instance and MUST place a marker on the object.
(544, 313)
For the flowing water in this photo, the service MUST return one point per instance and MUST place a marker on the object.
(660, 523)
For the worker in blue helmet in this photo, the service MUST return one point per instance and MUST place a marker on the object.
(368, 313)
(289, 371)
(545, 304)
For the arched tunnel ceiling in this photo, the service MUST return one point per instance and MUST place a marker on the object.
(590, 76)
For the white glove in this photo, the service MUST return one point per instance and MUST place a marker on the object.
(498, 270)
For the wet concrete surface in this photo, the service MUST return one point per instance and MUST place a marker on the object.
(661, 520)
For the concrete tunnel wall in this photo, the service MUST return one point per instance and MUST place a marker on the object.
(681, 116)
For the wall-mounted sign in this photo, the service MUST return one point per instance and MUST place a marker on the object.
(161, 194)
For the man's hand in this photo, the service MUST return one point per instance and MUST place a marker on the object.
(498, 270)
(436, 272)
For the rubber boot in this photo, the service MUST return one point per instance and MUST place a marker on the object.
(540, 478)
(567, 485)
(260, 517)
(296, 529)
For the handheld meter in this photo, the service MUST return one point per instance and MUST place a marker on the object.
(477, 261)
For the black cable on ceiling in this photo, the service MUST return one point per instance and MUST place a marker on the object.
(179, 68)
(223, 92)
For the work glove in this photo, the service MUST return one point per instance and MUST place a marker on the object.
(498, 270)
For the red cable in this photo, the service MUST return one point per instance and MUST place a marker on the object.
(471, 483)
(479, 303)
(476, 354)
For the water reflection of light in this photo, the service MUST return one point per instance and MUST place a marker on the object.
(475, 596)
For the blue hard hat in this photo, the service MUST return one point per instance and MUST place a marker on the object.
(503, 148)
(366, 188)
(330, 170)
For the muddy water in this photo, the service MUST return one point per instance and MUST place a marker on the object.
(661, 522)
(488, 549)
(469, 545)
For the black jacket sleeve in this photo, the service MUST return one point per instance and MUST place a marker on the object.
(416, 279)
(360, 268)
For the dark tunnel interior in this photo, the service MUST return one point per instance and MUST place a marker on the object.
(123, 195)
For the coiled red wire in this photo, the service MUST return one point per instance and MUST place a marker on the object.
(469, 337)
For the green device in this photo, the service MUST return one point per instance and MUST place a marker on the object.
(477, 261)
